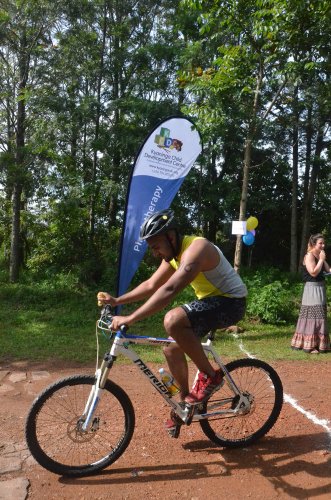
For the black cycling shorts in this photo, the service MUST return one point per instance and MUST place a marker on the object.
(214, 312)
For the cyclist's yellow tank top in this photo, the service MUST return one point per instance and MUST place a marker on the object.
(222, 280)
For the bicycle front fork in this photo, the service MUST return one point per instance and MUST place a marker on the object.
(101, 376)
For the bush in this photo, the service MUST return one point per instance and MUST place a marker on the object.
(273, 296)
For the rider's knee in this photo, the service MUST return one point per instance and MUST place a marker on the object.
(170, 321)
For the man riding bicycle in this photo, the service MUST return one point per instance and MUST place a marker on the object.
(220, 292)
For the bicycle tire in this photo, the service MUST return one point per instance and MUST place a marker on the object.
(54, 439)
(261, 381)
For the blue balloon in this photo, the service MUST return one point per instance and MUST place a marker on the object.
(248, 239)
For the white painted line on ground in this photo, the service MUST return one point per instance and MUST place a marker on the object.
(288, 399)
(322, 422)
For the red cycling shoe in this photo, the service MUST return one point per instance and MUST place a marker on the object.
(204, 387)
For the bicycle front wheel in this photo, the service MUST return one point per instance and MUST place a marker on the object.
(54, 431)
(262, 386)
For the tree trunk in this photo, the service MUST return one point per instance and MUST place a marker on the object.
(116, 156)
(8, 185)
(316, 164)
(294, 211)
(309, 134)
(243, 200)
(248, 154)
(246, 166)
(213, 219)
(15, 246)
(15, 241)
(94, 189)
(113, 202)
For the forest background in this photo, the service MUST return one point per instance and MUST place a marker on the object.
(83, 82)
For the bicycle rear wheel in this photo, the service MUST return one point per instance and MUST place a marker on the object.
(263, 387)
(54, 434)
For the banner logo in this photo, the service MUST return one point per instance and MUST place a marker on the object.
(163, 140)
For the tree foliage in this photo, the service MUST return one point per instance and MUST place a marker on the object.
(82, 83)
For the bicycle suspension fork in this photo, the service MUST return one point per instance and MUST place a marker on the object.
(101, 375)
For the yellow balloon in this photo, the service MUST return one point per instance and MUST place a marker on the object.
(251, 223)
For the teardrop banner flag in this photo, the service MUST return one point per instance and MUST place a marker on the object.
(161, 165)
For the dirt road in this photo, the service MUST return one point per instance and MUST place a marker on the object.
(292, 461)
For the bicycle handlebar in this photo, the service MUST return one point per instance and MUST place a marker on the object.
(106, 317)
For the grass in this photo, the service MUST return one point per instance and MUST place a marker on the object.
(41, 323)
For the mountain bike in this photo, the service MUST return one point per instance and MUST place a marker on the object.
(81, 424)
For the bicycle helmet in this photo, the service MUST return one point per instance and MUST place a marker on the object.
(158, 223)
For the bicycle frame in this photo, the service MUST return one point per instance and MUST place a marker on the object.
(121, 345)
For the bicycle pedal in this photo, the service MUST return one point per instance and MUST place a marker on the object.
(174, 431)
(192, 411)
